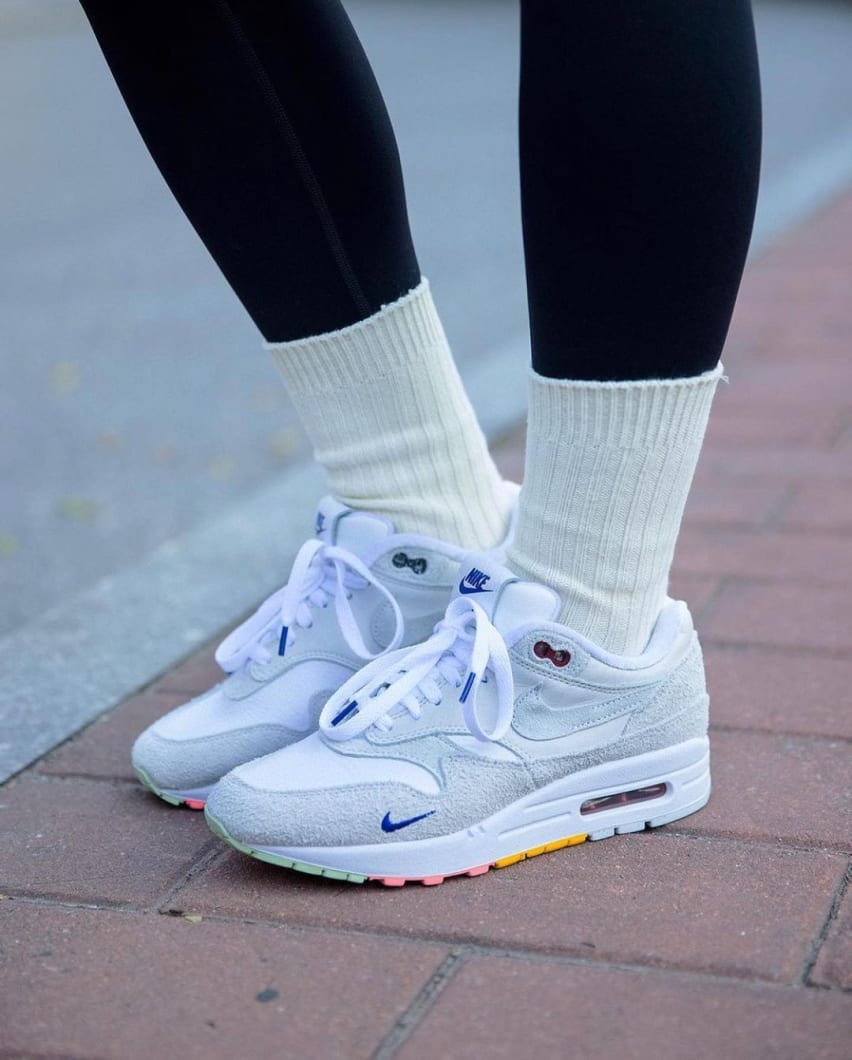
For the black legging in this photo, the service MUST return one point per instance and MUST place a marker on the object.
(640, 145)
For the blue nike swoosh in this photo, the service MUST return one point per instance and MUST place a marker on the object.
(465, 590)
(393, 826)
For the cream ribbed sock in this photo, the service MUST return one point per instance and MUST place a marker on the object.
(608, 469)
(384, 406)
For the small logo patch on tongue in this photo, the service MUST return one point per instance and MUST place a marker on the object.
(320, 524)
(474, 582)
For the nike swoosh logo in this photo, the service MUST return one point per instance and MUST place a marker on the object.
(466, 590)
(394, 826)
(546, 714)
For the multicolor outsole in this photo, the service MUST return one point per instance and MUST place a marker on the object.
(389, 881)
(172, 800)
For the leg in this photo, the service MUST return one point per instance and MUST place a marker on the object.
(640, 151)
(269, 127)
(637, 215)
(639, 161)
(267, 123)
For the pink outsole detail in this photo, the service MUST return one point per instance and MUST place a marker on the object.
(194, 804)
(428, 881)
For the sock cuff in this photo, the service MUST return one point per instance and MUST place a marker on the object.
(407, 333)
(623, 414)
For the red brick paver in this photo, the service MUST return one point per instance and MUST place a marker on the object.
(128, 930)
(775, 690)
(97, 983)
(547, 1009)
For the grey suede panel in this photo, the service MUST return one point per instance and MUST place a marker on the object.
(684, 690)
(353, 815)
(197, 762)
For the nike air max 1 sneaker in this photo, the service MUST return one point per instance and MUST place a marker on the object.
(356, 590)
(502, 736)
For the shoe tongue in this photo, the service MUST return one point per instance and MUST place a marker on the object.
(338, 524)
(507, 600)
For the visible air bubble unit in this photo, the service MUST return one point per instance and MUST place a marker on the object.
(623, 798)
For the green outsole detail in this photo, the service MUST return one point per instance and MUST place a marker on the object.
(146, 782)
(276, 859)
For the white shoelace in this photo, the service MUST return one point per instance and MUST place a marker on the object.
(463, 646)
(320, 573)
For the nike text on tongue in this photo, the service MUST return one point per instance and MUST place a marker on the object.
(474, 582)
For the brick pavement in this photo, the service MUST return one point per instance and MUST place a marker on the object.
(128, 930)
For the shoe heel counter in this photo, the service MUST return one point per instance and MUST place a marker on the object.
(681, 705)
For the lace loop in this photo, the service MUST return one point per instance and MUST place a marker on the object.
(464, 641)
(320, 572)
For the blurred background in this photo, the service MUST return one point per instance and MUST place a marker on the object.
(136, 400)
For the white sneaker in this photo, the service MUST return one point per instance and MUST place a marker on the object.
(356, 590)
(502, 736)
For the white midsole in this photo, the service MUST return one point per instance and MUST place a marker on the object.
(544, 816)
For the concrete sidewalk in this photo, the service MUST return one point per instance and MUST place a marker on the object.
(129, 931)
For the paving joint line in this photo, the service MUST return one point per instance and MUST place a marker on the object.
(704, 609)
(100, 905)
(421, 1005)
(820, 939)
(820, 653)
(15, 1054)
(786, 734)
(788, 845)
(32, 773)
(844, 422)
(213, 852)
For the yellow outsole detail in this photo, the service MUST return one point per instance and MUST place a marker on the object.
(546, 848)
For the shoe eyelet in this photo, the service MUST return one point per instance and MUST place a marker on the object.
(558, 656)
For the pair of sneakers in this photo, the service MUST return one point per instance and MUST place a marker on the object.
(370, 730)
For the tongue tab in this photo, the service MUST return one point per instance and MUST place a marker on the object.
(338, 524)
(329, 511)
(482, 579)
(508, 601)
